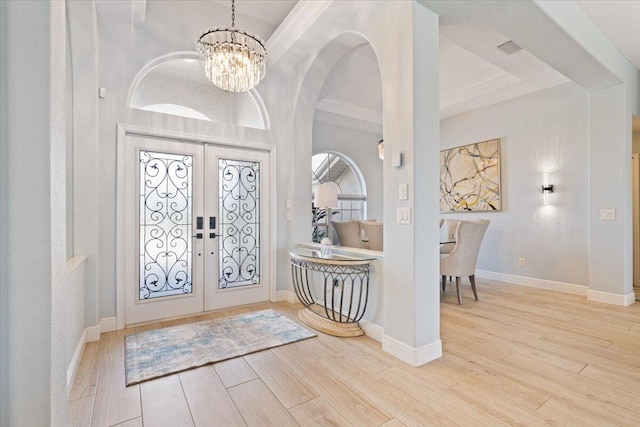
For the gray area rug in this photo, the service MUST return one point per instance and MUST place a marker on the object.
(153, 354)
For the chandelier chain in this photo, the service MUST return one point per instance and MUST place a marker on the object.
(233, 13)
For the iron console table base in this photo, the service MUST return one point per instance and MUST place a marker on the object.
(345, 291)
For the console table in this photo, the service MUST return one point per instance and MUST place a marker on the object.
(336, 303)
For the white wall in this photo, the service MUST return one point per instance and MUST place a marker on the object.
(362, 148)
(542, 132)
(32, 221)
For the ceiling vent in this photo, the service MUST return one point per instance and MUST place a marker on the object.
(509, 47)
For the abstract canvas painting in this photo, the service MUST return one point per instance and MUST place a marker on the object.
(470, 178)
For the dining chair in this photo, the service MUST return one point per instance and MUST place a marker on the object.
(348, 233)
(461, 261)
(451, 225)
(374, 232)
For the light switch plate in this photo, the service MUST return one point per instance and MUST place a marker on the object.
(607, 214)
(403, 215)
(396, 160)
(403, 191)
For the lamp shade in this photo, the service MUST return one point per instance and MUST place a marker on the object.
(326, 195)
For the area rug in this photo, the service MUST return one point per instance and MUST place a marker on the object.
(153, 354)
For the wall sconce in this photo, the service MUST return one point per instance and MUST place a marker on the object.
(381, 149)
(546, 188)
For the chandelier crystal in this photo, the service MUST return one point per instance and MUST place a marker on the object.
(231, 58)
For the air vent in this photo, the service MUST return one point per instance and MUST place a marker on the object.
(509, 47)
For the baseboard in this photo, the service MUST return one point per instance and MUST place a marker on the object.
(532, 282)
(75, 360)
(413, 356)
(92, 333)
(287, 296)
(372, 330)
(108, 324)
(609, 298)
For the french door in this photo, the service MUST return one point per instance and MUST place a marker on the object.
(196, 221)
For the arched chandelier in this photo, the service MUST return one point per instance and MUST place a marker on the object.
(231, 58)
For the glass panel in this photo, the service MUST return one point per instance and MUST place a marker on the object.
(165, 224)
(239, 217)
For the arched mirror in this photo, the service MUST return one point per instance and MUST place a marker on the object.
(352, 192)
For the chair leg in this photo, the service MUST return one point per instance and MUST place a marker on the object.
(444, 281)
(472, 279)
(458, 290)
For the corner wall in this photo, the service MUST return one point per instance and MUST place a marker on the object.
(542, 132)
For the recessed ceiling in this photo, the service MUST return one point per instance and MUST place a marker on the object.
(474, 73)
(619, 21)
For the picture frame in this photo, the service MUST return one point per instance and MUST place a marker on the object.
(470, 178)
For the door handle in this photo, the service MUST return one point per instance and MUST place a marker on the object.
(198, 236)
(212, 235)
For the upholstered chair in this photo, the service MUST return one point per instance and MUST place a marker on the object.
(374, 232)
(348, 233)
(451, 225)
(461, 261)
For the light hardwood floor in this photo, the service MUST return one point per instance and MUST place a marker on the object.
(519, 356)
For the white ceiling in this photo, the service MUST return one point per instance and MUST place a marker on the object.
(619, 21)
(473, 72)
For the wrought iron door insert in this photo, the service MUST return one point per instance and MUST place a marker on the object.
(239, 223)
(165, 224)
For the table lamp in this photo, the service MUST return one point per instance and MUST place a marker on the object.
(326, 197)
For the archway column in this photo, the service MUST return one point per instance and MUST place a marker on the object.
(411, 127)
(610, 241)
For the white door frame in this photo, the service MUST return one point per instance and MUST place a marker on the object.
(635, 200)
(122, 131)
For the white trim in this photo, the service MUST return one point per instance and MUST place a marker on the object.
(411, 355)
(372, 330)
(108, 324)
(75, 361)
(89, 334)
(273, 214)
(609, 298)
(191, 137)
(532, 282)
(286, 295)
(74, 262)
(121, 134)
(92, 333)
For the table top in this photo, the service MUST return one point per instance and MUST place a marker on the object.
(314, 255)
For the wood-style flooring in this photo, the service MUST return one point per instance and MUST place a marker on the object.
(519, 356)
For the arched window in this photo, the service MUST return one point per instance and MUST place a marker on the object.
(174, 84)
(352, 190)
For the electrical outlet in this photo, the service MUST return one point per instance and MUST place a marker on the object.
(607, 214)
(521, 262)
